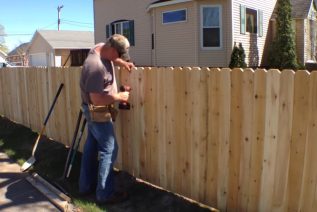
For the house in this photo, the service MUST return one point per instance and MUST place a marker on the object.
(59, 48)
(18, 55)
(201, 32)
(304, 26)
(187, 32)
(304, 23)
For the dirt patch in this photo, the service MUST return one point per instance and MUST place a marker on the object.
(51, 156)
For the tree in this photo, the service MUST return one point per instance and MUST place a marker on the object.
(3, 47)
(283, 53)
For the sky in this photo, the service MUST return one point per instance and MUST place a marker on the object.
(21, 18)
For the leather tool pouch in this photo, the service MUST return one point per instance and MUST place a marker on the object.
(102, 113)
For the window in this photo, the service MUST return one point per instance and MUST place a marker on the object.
(78, 57)
(211, 26)
(251, 21)
(174, 16)
(123, 27)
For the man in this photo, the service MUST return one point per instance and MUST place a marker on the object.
(99, 88)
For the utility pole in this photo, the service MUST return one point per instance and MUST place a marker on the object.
(58, 13)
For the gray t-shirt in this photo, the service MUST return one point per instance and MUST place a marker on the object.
(97, 76)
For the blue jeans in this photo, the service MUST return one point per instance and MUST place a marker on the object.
(101, 142)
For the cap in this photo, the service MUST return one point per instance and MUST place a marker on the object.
(121, 44)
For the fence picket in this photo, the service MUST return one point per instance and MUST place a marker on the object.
(284, 138)
(298, 139)
(257, 139)
(308, 197)
(246, 136)
(235, 139)
(270, 139)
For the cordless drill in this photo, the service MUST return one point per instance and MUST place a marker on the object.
(124, 105)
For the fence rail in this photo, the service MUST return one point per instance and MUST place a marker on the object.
(238, 140)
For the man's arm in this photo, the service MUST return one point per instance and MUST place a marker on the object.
(106, 99)
(125, 64)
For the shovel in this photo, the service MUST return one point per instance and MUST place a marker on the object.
(27, 164)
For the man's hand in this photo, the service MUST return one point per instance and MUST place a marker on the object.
(122, 96)
(125, 64)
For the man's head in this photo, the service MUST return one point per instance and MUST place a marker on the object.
(120, 44)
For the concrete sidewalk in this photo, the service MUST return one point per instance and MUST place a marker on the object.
(16, 193)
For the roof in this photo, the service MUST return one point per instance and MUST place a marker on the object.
(300, 8)
(156, 2)
(20, 49)
(165, 3)
(66, 39)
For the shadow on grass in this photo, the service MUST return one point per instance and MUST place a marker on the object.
(17, 141)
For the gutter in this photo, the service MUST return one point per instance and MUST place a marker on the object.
(166, 4)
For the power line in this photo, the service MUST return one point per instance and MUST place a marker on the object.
(73, 24)
(54, 23)
(76, 22)
(7, 35)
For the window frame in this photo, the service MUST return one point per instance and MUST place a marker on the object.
(202, 27)
(121, 27)
(259, 21)
(111, 29)
(174, 22)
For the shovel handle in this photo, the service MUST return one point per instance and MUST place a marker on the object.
(52, 106)
(46, 119)
(37, 140)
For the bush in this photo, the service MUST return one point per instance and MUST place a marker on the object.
(237, 57)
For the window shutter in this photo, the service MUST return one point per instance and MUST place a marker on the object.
(107, 31)
(260, 23)
(131, 37)
(242, 19)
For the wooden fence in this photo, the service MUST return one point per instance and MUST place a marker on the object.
(238, 140)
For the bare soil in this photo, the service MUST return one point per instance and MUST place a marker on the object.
(51, 156)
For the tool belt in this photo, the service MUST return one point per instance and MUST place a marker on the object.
(102, 113)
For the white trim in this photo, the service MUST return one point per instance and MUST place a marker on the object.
(168, 11)
(121, 23)
(220, 26)
(3, 53)
(166, 3)
(232, 26)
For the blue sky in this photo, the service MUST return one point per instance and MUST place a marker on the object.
(21, 18)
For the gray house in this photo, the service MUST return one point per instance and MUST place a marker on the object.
(59, 48)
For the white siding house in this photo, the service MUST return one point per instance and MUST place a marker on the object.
(196, 32)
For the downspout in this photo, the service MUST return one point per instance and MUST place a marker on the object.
(154, 59)
(196, 8)
(228, 55)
